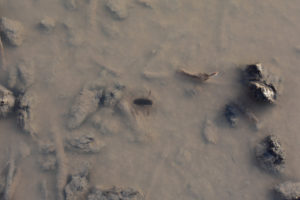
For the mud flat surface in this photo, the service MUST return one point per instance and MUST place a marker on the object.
(93, 107)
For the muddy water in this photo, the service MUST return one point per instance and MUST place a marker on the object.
(166, 156)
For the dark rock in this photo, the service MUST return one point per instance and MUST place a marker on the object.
(25, 112)
(115, 193)
(263, 86)
(7, 101)
(253, 72)
(232, 114)
(263, 92)
(270, 154)
(11, 31)
(288, 190)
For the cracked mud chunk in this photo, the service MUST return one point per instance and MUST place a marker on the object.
(115, 193)
(270, 154)
(117, 8)
(288, 190)
(25, 114)
(7, 101)
(77, 185)
(84, 144)
(22, 76)
(12, 31)
(84, 105)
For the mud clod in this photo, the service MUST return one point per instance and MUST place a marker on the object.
(12, 32)
(115, 193)
(47, 24)
(7, 101)
(263, 92)
(84, 144)
(270, 155)
(77, 185)
(288, 190)
(117, 8)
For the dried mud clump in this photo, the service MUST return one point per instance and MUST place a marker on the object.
(87, 143)
(7, 101)
(263, 87)
(117, 8)
(25, 114)
(47, 24)
(115, 193)
(21, 77)
(90, 98)
(77, 185)
(270, 155)
(84, 105)
(288, 190)
(12, 31)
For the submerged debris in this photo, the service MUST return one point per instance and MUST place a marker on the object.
(117, 8)
(77, 185)
(200, 77)
(270, 154)
(84, 144)
(11, 31)
(7, 101)
(288, 190)
(115, 193)
(232, 113)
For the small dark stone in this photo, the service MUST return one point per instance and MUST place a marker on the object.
(254, 72)
(142, 102)
(232, 113)
(263, 92)
(270, 154)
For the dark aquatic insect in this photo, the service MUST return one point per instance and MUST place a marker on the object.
(143, 102)
(201, 77)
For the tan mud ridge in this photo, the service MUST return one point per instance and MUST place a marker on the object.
(143, 99)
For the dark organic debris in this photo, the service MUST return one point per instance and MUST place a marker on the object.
(143, 102)
(11, 31)
(288, 190)
(115, 193)
(7, 101)
(270, 154)
(200, 77)
(232, 114)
